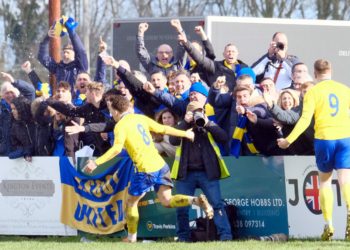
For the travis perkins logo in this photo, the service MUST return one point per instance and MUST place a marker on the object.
(151, 226)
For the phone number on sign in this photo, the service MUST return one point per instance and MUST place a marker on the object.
(250, 223)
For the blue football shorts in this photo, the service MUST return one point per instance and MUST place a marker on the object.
(332, 154)
(142, 182)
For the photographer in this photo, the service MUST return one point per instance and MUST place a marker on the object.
(199, 164)
(276, 63)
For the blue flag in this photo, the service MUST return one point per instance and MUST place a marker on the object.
(95, 204)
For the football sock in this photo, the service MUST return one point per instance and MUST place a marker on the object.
(345, 188)
(326, 198)
(181, 200)
(132, 219)
(132, 237)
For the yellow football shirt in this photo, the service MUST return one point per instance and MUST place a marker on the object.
(329, 102)
(133, 133)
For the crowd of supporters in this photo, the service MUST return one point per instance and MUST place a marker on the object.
(254, 104)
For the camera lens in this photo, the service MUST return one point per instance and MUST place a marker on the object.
(280, 46)
(198, 118)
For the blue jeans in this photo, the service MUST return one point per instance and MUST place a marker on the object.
(211, 189)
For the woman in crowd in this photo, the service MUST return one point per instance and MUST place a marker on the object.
(165, 117)
(43, 116)
(287, 113)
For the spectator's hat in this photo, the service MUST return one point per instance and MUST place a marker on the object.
(6, 87)
(199, 87)
(247, 71)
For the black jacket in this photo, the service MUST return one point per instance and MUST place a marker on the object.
(22, 130)
(209, 53)
(91, 114)
(213, 69)
(304, 145)
(225, 113)
(44, 141)
(26, 90)
(201, 147)
(264, 136)
(22, 139)
(144, 101)
(263, 133)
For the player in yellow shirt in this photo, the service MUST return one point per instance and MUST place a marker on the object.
(328, 102)
(132, 131)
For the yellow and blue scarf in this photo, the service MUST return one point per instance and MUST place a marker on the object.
(43, 89)
(116, 82)
(164, 66)
(80, 99)
(236, 68)
(239, 134)
(190, 65)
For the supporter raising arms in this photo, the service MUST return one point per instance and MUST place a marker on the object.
(165, 60)
(191, 65)
(228, 67)
(41, 88)
(74, 58)
(132, 84)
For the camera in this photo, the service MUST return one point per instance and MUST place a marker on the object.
(280, 45)
(199, 119)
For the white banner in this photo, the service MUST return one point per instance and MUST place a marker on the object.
(304, 212)
(30, 197)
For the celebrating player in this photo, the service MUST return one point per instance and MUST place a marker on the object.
(328, 102)
(132, 131)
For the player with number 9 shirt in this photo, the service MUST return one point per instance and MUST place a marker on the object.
(328, 102)
(132, 131)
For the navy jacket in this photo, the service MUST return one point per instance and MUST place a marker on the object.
(176, 105)
(28, 91)
(144, 101)
(22, 130)
(64, 72)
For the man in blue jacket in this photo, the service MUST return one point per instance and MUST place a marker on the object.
(74, 58)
